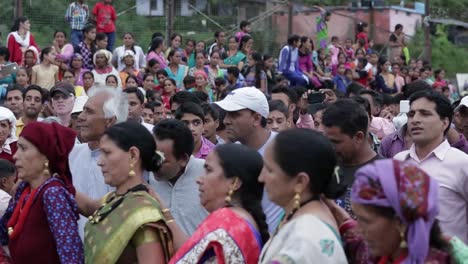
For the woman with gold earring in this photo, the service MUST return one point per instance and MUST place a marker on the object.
(130, 226)
(235, 230)
(298, 169)
(40, 224)
(396, 207)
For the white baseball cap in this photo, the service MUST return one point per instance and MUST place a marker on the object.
(80, 101)
(245, 98)
(463, 102)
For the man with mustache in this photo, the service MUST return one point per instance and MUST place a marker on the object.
(33, 101)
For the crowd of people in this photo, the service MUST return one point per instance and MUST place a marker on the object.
(198, 153)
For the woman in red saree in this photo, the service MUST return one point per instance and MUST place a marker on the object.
(235, 230)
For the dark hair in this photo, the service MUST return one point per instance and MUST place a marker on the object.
(360, 26)
(175, 35)
(132, 134)
(189, 81)
(414, 87)
(132, 77)
(243, 24)
(234, 71)
(150, 106)
(259, 66)
(163, 72)
(190, 108)
(240, 161)
(443, 106)
(101, 36)
(278, 105)
(45, 51)
(7, 168)
(171, 54)
(133, 37)
(171, 80)
(60, 31)
(354, 88)
(89, 73)
(291, 93)
(146, 75)
(14, 87)
(139, 94)
(294, 155)
(364, 103)
(244, 41)
(110, 76)
(88, 28)
(184, 96)
(293, 38)
(178, 132)
(437, 72)
(398, 26)
(151, 63)
(34, 87)
(17, 23)
(155, 43)
(217, 33)
(201, 95)
(347, 115)
(334, 38)
(5, 53)
(210, 109)
(376, 97)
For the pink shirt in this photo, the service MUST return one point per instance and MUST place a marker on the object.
(205, 149)
(381, 127)
(449, 166)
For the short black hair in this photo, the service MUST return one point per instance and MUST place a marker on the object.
(244, 23)
(443, 106)
(150, 106)
(234, 71)
(292, 94)
(101, 36)
(34, 87)
(162, 72)
(347, 115)
(6, 168)
(278, 105)
(364, 103)
(182, 97)
(190, 108)
(179, 133)
(414, 87)
(376, 97)
(293, 38)
(5, 53)
(210, 109)
(315, 108)
(135, 90)
(14, 87)
(354, 88)
(202, 96)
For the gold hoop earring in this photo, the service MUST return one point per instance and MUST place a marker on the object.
(132, 172)
(297, 201)
(46, 169)
(403, 243)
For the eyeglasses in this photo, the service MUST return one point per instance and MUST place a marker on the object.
(61, 96)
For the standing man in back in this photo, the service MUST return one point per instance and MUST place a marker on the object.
(429, 120)
(245, 120)
(77, 15)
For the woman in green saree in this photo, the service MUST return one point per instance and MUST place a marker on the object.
(235, 57)
(129, 227)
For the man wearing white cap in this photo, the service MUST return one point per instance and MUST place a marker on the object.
(460, 118)
(245, 121)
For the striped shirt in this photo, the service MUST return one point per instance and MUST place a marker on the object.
(77, 15)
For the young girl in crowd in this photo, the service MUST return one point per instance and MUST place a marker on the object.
(20, 39)
(169, 89)
(189, 52)
(361, 29)
(176, 41)
(22, 78)
(111, 81)
(88, 80)
(87, 47)
(46, 73)
(254, 73)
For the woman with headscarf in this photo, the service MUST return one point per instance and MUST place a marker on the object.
(396, 207)
(103, 67)
(77, 67)
(202, 85)
(40, 224)
(7, 134)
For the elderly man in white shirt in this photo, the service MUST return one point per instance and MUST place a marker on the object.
(104, 108)
(429, 119)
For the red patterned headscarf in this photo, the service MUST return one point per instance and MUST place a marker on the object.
(409, 191)
(55, 142)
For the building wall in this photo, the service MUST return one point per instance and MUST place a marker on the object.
(343, 23)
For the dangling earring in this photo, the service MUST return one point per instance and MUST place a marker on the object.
(46, 169)
(132, 172)
(403, 243)
(228, 198)
(297, 201)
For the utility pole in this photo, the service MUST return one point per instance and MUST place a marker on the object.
(169, 11)
(290, 18)
(427, 34)
(18, 8)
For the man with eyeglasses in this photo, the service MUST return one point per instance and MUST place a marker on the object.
(192, 115)
(63, 98)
